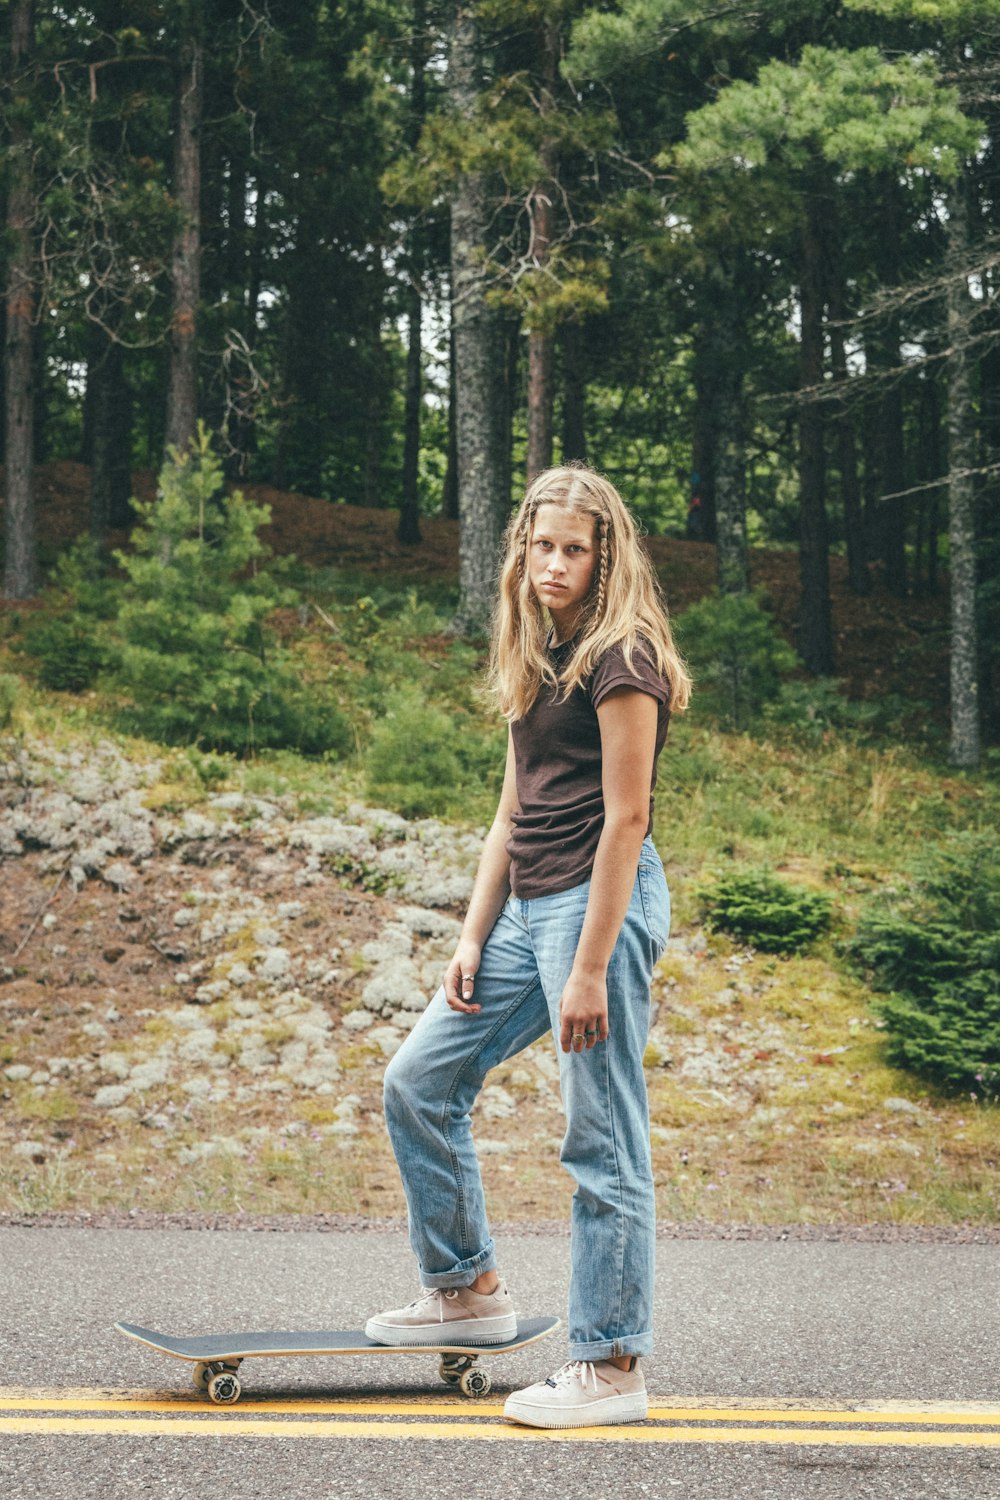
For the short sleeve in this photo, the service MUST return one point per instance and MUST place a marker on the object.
(612, 671)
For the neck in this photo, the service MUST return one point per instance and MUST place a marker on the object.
(563, 630)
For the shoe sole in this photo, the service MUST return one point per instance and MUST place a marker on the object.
(476, 1333)
(613, 1411)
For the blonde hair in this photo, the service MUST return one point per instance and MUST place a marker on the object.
(625, 601)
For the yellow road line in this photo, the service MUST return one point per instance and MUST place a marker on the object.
(462, 1407)
(785, 1408)
(236, 1427)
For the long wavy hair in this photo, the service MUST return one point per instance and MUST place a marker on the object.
(624, 603)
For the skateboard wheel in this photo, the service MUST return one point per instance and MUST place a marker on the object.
(475, 1382)
(224, 1388)
(200, 1376)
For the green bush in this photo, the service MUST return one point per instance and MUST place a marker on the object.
(934, 946)
(764, 911)
(812, 708)
(425, 761)
(191, 646)
(951, 1038)
(10, 693)
(737, 654)
(65, 637)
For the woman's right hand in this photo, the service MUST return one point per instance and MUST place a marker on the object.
(460, 977)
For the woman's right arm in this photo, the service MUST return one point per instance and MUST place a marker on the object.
(489, 893)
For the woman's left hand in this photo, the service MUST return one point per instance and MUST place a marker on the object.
(583, 1013)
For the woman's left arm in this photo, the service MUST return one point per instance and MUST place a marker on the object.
(627, 718)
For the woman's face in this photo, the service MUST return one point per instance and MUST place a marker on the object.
(562, 559)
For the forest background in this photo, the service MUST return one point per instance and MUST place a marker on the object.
(389, 260)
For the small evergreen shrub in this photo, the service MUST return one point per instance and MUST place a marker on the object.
(192, 648)
(810, 709)
(764, 911)
(10, 693)
(737, 654)
(951, 1038)
(935, 948)
(426, 762)
(65, 636)
(813, 708)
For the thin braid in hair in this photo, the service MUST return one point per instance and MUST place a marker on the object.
(602, 566)
(524, 527)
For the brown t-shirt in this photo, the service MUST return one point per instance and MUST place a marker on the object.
(557, 755)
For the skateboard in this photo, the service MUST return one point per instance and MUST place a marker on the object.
(216, 1357)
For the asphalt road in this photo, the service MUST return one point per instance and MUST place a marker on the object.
(749, 1328)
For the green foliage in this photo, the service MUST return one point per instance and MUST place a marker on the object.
(192, 646)
(425, 761)
(953, 1038)
(935, 945)
(945, 13)
(764, 911)
(211, 772)
(735, 650)
(811, 708)
(855, 110)
(10, 693)
(65, 636)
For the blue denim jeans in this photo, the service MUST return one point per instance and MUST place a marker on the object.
(432, 1082)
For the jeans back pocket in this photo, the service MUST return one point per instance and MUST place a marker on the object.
(655, 900)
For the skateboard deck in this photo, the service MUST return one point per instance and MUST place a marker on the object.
(216, 1357)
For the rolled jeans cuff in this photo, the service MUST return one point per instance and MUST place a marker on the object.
(464, 1272)
(634, 1343)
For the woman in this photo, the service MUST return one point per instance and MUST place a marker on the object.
(569, 915)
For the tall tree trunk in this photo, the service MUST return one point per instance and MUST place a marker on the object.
(110, 421)
(242, 424)
(574, 393)
(705, 435)
(732, 560)
(964, 748)
(483, 496)
(931, 467)
(815, 624)
(871, 482)
(541, 340)
(41, 433)
(408, 531)
(374, 420)
(185, 268)
(449, 492)
(215, 249)
(988, 523)
(20, 579)
(858, 577)
(891, 515)
(3, 343)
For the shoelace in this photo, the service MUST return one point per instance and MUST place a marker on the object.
(433, 1294)
(579, 1371)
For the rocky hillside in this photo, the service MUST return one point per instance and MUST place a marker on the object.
(199, 991)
